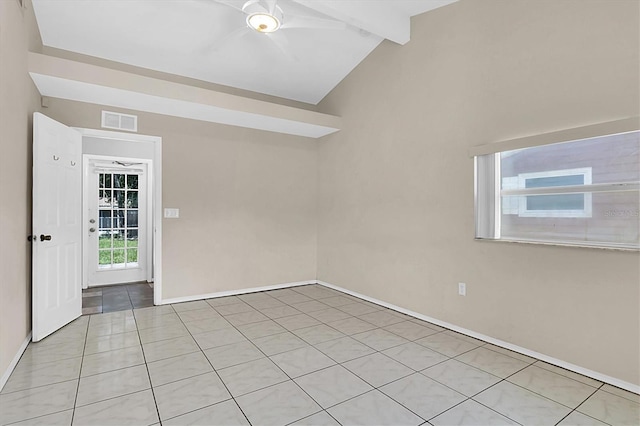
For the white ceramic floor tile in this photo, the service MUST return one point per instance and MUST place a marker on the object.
(381, 318)
(410, 330)
(261, 329)
(62, 418)
(377, 369)
(329, 315)
(251, 376)
(470, 413)
(427, 324)
(379, 339)
(422, 395)
(111, 360)
(621, 392)
(278, 343)
(234, 354)
(190, 306)
(280, 311)
(184, 396)
(351, 326)
(337, 301)
(553, 386)
(415, 356)
(133, 409)
(446, 345)
(319, 419)
(266, 303)
(112, 384)
(332, 385)
(570, 374)
(199, 314)
(310, 306)
(292, 299)
(246, 318)
(612, 409)
(208, 324)
(295, 322)
(224, 413)
(36, 402)
(111, 342)
(461, 377)
(344, 349)
(373, 408)
(31, 375)
(277, 405)
(358, 308)
(169, 348)
(177, 368)
(213, 339)
(153, 311)
(302, 361)
(51, 353)
(578, 419)
(221, 301)
(158, 321)
(149, 335)
(492, 362)
(318, 334)
(521, 405)
(236, 308)
(507, 352)
(121, 325)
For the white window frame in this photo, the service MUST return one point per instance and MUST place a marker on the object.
(522, 200)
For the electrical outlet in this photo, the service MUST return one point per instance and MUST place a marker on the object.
(462, 289)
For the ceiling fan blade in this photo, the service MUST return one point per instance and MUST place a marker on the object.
(231, 4)
(309, 22)
(271, 6)
(280, 41)
(236, 34)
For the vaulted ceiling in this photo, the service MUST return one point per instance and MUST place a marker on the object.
(319, 43)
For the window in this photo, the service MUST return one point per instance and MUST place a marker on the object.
(580, 192)
(552, 205)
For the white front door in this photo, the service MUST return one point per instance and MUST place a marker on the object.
(57, 212)
(117, 216)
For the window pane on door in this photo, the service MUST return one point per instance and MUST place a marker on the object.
(132, 181)
(118, 181)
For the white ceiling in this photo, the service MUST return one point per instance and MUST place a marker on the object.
(208, 40)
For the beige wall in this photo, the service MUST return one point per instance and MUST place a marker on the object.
(18, 100)
(396, 217)
(247, 202)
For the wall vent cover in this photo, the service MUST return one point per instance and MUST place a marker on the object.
(116, 120)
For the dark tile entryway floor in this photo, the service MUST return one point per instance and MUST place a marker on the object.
(111, 298)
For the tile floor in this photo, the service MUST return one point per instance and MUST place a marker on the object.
(112, 298)
(306, 355)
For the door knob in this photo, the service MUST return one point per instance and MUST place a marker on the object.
(92, 221)
(92, 229)
(45, 237)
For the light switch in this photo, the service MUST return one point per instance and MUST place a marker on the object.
(171, 213)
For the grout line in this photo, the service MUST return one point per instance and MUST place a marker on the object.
(84, 347)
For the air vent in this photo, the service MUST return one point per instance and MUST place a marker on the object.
(115, 120)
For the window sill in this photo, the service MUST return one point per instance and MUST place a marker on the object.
(565, 244)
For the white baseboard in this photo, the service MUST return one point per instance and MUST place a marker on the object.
(566, 365)
(14, 361)
(234, 292)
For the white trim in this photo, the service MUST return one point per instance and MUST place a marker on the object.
(234, 292)
(625, 125)
(147, 171)
(154, 184)
(563, 364)
(14, 361)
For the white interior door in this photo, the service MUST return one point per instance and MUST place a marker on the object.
(57, 228)
(117, 217)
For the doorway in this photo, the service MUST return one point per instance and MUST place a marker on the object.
(117, 220)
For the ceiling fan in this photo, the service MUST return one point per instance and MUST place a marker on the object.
(267, 17)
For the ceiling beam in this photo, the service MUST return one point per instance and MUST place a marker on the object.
(77, 81)
(375, 17)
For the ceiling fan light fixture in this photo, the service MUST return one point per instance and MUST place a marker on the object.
(263, 22)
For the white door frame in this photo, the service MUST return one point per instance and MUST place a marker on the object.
(155, 194)
(86, 170)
